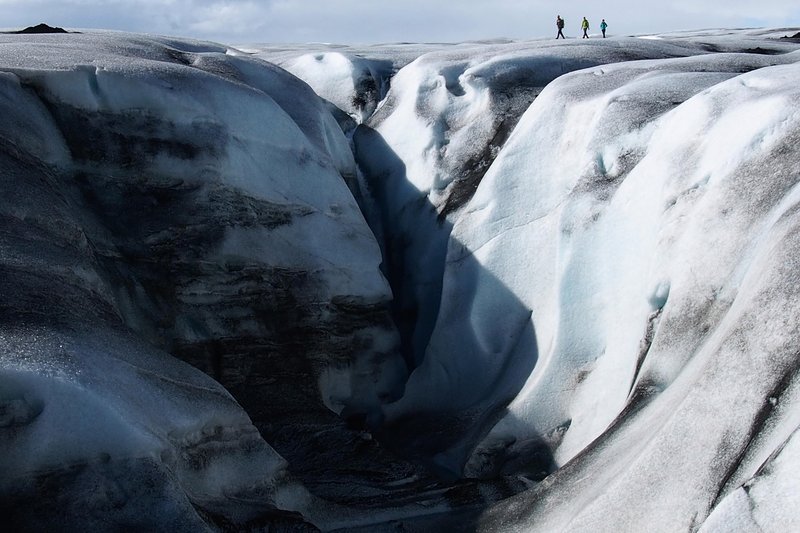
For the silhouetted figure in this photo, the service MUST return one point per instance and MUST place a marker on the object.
(585, 28)
(603, 27)
(560, 26)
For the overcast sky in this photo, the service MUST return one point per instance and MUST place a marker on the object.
(378, 21)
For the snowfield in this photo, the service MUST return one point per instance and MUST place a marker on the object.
(494, 286)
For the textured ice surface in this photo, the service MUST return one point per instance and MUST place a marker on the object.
(164, 196)
(608, 288)
(99, 429)
(592, 250)
(619, 291)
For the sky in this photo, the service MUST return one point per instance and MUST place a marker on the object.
(378, 21)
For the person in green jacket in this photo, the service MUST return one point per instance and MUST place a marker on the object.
(585, 28)
(603, 27)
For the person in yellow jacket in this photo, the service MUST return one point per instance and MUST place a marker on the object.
(585, 28)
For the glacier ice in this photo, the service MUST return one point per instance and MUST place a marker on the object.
(198, 202)
(575, 301)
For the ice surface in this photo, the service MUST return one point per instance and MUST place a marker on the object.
(582, 291)
(432, 144)
(91, 400)
(161, 195)
(591, 247)
(766, 502)
(426, 149)
(641, 214)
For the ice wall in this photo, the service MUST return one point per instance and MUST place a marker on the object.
(602, 296)
(162, 196)
(616, 300)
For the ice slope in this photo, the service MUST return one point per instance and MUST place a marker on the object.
(353, 84)
(101, 431)
(449, 111)
(618, 295)
(426, 149)
(164, 196)
(676, 330)
(767, 501)
(573, 294)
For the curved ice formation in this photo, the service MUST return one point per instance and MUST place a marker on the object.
(196, 202)
(610, 280)
(616, 302)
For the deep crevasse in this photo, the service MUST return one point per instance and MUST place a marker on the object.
(612, 245)
(598, 286)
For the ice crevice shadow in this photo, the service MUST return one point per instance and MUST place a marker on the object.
(452, 398)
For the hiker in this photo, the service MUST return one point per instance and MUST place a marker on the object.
(603, 27)
(560, 26)
(585, 28)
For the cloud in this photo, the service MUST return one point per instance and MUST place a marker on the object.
(358, 21)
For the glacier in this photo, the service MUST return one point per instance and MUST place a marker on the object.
(196, 201)
(487, 286)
